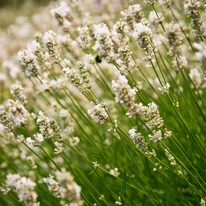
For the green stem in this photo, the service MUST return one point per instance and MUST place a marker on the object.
(193, 97)
(160, 22)
(50, 158)
(134, 162)
(189, 172)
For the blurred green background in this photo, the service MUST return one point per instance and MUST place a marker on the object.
(10, 9)
(17, 3)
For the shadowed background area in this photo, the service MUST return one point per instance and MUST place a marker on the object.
(16, 3)
(10, 9)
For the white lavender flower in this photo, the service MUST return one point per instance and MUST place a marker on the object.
(84, 37)
(167, 133)
(202, 202)
(170, 157)
(53, 185)
(138, 140)
(156, 136)
(74, 141)
(133, 15)
(164, 88)
(143, 35)
(151, 114)
(180, 62)
(31, 161)
(104, 44)
(195, 77)
(38, 137)
(69, 44)
(98, 114)
(17, 92)
(120, 33)
(123, 92)
(36, 141)
(114, 172)
(28, 63)
(69, 189)
(64, 187)
(75, 78)
(59, 147)
(164, 2)
(48, 127)
(62, 13)
(17, 113)
(123, 53)
(201, 54)
(24, 188)
(150, 1)
(50, 41)
(192, 7)
(174, 38)
(30, 142)
(4, 120)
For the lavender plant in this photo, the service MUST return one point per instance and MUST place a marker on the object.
(105, 105)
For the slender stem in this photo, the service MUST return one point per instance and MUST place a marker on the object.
(160, 22)
(134, 162)
(189, 172)
(183, 31)
(50, 158)
(193, 97)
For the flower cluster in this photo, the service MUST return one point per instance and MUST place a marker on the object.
(48, 127)
(16, 113)
(170, 157)
(192, 7)
(64, 187)
(85, 81)
(138, 140)
(143, 35)
(174, 38)
(124, 94)
(29, 63)
(104, 44)
(98, 113)
(133, 15)
(23, 187)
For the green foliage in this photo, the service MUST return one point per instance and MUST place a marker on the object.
(17, 3)
(104, 109)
